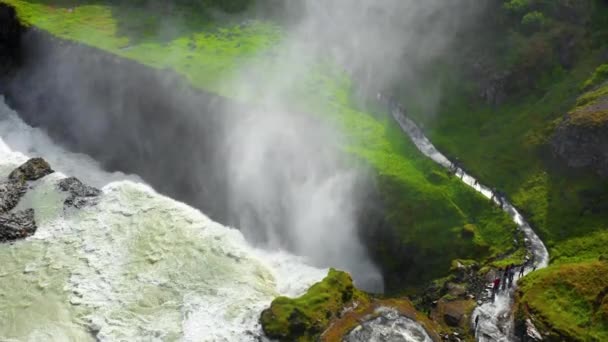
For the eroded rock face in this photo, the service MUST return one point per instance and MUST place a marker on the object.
(32, 170)
(19, 225)
(80, 194)
(10, 39)
(581, 140)
(11, 192)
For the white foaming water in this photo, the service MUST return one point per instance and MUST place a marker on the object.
(495, 321)
(134, 266)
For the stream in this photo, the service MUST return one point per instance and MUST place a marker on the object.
(495, 321)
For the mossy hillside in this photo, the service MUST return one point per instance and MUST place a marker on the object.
(190, 42)
(306, 317)
(591, 109)
(570, 300)
(428, 209)
(507, 146)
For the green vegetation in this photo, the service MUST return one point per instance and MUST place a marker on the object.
(507, 145)
(306, 317)
(599, 76)
(571, 299)
(427, 209)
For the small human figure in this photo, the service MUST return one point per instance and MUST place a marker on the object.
(522, 269)
(495, 287)
(505, 278)
(511, 274)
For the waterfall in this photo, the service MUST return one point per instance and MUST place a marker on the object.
(136, 265)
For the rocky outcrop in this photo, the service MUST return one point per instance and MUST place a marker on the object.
(19, 225)
(581, 140)
(80, 194)
(11, 192)
(32, 170)
(388, 325)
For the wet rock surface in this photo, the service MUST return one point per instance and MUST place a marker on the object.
(11, 192)
(18, 225)
(389, 326)
(80, 194)
(31, 170)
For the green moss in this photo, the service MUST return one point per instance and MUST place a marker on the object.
(592, 97)
(569, 299)
(306, 317)
(599, 76)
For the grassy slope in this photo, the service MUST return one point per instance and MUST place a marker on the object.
(573, 298)
(429, 209)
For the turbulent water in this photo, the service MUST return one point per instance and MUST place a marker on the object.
(495, 321)
(134, 266)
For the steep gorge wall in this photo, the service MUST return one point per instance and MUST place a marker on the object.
(127, 116)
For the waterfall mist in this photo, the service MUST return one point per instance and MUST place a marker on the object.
(276, 172)
(289, 181)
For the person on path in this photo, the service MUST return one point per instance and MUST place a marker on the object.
(511, 274)
(522, 269)
(495, 287)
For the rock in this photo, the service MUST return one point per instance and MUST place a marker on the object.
(80, 194)
(581, 140)
(31, 170)
(10, 194)
(456, 290)
(453, 312)
(532, 333)
(19, 225)
(452, 317)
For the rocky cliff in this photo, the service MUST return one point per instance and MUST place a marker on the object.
(581, 140)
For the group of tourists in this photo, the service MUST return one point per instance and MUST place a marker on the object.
(505, 277)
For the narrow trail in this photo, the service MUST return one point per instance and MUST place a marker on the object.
(495, 321)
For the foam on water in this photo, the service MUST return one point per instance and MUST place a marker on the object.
(134, 266)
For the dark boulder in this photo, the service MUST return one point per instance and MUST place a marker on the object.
(80, 194)
(19, 225)
(10, 193)
(581, 140)
(31, 170)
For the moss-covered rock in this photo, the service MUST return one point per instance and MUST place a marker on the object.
(581, 140)
(306, 317)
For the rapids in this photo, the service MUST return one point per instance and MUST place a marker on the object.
(134, 266)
